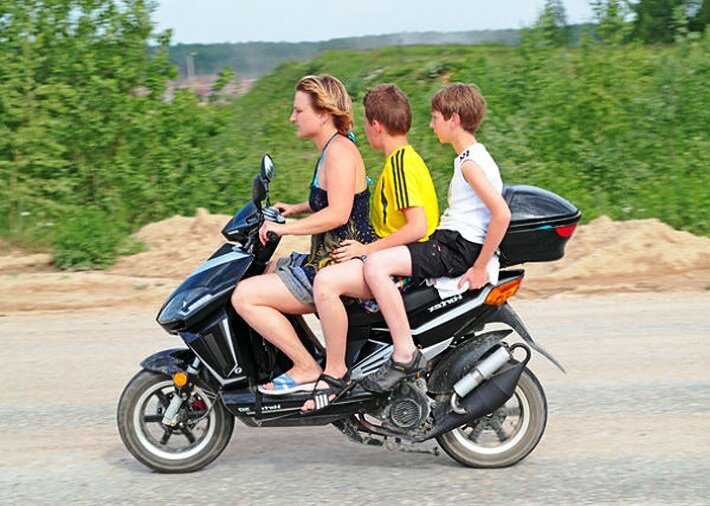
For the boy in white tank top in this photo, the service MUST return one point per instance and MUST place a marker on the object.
(467, 237)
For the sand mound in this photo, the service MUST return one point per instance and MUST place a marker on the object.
(602, 257)
(635, 255)
(177, 245)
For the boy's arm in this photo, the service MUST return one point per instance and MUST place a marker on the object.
(415, 228)
(500, 218)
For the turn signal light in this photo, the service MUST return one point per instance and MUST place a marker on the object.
(501, 293)
(180, 379)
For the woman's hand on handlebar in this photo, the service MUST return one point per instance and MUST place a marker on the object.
(348, 249)
(268, 228)
(288, 209)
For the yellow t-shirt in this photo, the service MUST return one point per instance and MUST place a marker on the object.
(405, 182)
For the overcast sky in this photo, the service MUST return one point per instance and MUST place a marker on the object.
(312, 20)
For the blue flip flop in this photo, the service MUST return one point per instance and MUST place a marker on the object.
(285, 384)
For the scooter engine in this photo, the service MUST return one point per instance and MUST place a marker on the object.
(408, 406)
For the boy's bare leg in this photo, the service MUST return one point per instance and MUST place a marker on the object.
(329, 285)
(262, 302)
(377, 269)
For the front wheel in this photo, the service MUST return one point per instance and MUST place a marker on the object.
(203, 433)
(505, 436)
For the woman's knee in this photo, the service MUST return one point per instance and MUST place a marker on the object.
(242, 297)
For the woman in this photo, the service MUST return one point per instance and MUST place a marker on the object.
(339, 203)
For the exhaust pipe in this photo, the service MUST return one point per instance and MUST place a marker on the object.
(485, 370)
(486, 398)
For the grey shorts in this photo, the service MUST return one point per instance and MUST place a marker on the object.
(297, 278)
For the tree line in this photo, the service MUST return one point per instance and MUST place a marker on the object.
(94, 142)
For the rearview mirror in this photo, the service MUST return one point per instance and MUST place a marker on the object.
(267, 168)
(258, 190)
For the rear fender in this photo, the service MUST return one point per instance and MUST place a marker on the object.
(506, 314)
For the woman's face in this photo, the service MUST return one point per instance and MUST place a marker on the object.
(308, 122)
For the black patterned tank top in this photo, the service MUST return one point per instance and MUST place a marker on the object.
(358, 226)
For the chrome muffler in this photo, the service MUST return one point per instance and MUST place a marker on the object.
(481, 396)
(480, 373)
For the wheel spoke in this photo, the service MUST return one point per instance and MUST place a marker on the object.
(498, 428)
(477, 429)
(162, 398)
(509, 411)
(188, 434)
(166, 436)
(153, 418)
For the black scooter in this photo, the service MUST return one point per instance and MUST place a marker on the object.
(479, 400)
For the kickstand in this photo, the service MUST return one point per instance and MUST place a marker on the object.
(396, 444)
(346, 427)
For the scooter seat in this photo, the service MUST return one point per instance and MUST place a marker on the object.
(414, 298)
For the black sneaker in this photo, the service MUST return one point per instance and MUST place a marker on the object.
(386, 377)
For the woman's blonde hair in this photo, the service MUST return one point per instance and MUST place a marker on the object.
(329, 95)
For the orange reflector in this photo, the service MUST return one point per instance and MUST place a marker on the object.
(180, 379)
(503, 292)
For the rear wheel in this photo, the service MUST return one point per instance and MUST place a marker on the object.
(505, 436)
(203, 433)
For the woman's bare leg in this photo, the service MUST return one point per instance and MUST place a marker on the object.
(262, 302)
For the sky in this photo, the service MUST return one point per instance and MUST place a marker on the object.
(207, 21)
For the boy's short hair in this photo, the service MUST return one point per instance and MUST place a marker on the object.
(465, 100)
(389, 105)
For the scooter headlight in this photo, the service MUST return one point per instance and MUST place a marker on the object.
(182, 304)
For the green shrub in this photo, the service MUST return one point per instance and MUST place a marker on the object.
(91, 239)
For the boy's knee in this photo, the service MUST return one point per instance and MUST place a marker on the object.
(324, 285)
(373, 268)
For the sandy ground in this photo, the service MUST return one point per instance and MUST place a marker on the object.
(626, 311)
(602, 257)
(628, 423)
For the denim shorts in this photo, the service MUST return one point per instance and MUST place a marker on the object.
(297, 278)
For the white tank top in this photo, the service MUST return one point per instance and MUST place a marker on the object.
(467, 214)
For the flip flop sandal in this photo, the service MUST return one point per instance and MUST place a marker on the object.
(336, 386)
(284, 385)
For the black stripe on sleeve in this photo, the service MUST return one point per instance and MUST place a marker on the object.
(383, 199)
(403, 180)
(395, 180)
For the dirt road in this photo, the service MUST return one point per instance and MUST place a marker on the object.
(628, 424)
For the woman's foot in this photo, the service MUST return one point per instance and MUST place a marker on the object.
(326, 390)
(290, 382)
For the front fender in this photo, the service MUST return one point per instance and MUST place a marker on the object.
(459, 361)
(169, 362)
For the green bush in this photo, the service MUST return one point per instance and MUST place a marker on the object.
(91, 239)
